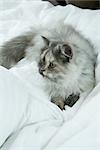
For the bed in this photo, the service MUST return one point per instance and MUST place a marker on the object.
(28, 120)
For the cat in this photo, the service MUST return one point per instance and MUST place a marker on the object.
(67, 64)
(66, 61)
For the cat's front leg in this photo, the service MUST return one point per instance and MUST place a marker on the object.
(69, 101)
(59, 101)
(72, 99)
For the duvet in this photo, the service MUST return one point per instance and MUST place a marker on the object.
(28, 120)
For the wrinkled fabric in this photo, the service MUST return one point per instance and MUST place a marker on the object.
(28, 120)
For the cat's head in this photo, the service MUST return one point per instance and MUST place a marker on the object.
(54, 58)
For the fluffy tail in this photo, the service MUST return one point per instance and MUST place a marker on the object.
(14, 50)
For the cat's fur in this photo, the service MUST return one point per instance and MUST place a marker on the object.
(67, 64)
(72, 57)
(13, 50)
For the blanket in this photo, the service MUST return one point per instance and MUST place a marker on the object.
(28, 120)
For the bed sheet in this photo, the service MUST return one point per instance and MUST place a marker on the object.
(28, 121)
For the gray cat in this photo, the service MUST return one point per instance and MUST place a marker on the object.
(65, 60)
(67, 63)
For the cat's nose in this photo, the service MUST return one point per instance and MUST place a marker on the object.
(41, 71)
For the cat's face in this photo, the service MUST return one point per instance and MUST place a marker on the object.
(53, 59)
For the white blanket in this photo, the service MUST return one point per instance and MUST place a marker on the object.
(28, 120)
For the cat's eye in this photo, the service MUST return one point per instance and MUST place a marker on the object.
(51, 65)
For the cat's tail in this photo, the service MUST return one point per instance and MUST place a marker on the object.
(13, 50)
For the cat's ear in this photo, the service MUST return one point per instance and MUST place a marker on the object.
(67, 51)
(45, 40)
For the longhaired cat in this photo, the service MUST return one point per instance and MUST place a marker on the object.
(66, 61)
(67, 65)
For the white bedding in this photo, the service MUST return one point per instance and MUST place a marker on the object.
(27, 118)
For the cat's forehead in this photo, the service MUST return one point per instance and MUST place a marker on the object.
(50, 56)
(47, 54)
(55, 44)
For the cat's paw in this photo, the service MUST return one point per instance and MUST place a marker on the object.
(72, 99)
(59, 102)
